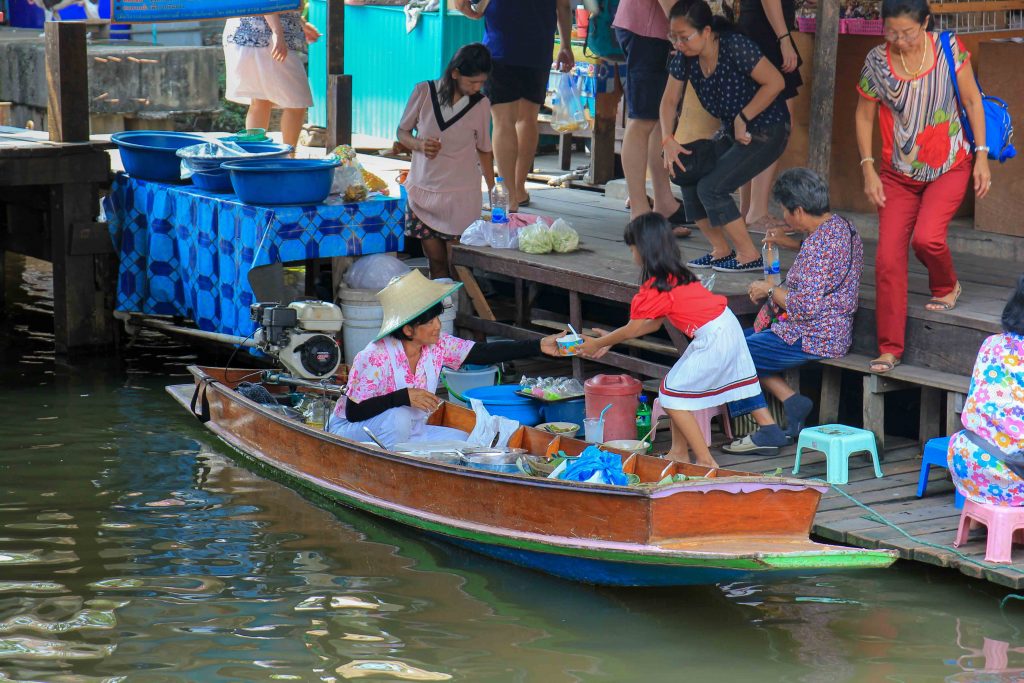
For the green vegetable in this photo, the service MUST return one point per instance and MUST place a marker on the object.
(535, 239)
(565, 240)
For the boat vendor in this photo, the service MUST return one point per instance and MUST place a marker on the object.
(392, 382)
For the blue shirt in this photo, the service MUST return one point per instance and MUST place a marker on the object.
(730, 87)
(521, 32)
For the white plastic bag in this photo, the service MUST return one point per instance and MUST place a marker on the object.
(486, 234)
(374, 271)
(563, 238)
(567, 113)
(536, 238)
(346, 178)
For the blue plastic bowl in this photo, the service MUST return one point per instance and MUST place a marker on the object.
(502, 400)
(271, 182)
(207, 173)
(152, 154)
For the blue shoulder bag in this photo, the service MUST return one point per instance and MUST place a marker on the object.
(998, 124)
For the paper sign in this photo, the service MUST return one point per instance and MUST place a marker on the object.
(145, 11)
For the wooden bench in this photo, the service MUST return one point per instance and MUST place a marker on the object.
(933, 384)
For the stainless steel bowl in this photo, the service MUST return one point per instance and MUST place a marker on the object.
(492, 460)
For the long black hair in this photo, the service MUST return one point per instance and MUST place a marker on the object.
(471, 60)
(1013, 314)
(660, 257)
(698, 14)
(918, 10)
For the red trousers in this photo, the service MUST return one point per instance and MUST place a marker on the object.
(915, 214)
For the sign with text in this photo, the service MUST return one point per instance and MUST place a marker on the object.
(145, 11)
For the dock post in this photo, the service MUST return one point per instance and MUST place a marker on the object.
(67, 82)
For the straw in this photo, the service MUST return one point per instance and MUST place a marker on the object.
(606, 409)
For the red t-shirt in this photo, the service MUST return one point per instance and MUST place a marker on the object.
(688, 307)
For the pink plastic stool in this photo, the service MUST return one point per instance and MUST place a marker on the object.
(1005, 527)
(703, 419)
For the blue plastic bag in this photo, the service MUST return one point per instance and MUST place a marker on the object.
(595, 465)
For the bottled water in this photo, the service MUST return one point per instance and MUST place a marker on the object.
(499, 201)
(772, 268)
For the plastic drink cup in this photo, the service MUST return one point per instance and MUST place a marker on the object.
(569, 344)
(593, 429)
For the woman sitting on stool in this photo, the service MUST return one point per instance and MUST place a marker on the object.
(392, 381)
(811, 315)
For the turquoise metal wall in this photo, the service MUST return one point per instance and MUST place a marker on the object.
(385, 62)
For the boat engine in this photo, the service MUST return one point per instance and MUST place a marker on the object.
(300, 335)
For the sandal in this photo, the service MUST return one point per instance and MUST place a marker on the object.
(937, 305)
(525, 202)
(884, 364)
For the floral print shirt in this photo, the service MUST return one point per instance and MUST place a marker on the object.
(823, 285)
(922, 136)
(371, 374)
(994, 409)
(255, 31)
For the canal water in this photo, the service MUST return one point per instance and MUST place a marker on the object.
(134, 547)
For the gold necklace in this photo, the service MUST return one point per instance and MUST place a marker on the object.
(920, 67)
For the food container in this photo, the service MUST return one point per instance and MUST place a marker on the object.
(493, 460)
(619, 391)
(628, 445)
(273, 182)
(569, 344)
(207, 171)
(567, 429)
(152, 154)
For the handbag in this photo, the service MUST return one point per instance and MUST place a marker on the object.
(703, 158)
(998, 123)
(601, 41)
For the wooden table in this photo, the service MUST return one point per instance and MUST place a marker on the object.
(49, 200)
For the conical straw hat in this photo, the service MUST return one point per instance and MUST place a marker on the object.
(407, 296)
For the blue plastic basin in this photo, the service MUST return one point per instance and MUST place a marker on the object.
(282, 181)
(152, 154)
(502, 400)
(573, 410)
(207, 173)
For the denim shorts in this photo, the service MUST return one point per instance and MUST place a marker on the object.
(646, 73)
(711, 197)
(771, 356)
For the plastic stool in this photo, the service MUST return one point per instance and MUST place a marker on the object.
(936, 455)
(838, 443)
(703, 417)
(1005, 527)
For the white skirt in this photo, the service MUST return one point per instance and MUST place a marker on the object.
(715, 368)
(253, 74)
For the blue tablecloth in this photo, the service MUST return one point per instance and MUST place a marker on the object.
(188, 252)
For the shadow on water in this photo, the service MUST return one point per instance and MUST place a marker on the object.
(134, 547)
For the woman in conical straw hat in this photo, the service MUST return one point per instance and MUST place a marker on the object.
(392, 382)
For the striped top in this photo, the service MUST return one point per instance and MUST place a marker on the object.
(922, 137)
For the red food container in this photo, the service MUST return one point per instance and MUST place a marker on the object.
(622, 392)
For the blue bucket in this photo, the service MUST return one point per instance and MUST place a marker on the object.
(270, 182)
(573, 410)
(152, 154)
(207, 173)
(502, 400)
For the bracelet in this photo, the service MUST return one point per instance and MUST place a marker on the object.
(867, 160)
(982, 148)
(743, 118)
(771, 294)
(784, 35)
(666, 139)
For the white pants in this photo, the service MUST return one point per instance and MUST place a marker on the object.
(395, 425)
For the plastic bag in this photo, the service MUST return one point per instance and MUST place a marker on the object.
(567, 112)
(536, 238)
(374, 271)
(563, 238)
(488, 427)
(203, 158)
(351, 180)
(483, 233)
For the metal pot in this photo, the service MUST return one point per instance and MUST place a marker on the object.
(492, 460)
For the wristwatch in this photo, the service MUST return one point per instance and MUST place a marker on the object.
(743, 118)
(771, 294)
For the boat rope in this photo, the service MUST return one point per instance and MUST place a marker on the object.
(876, 516)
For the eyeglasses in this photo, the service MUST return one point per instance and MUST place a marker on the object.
(677, 39)
(908, 36)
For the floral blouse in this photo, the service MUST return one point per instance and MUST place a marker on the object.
(254, 31)
(922, 137)
(994, 409)
(823, 285)
(371, 374)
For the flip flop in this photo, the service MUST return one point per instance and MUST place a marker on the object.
(525, 202)
(887, 366)
(746, 446)
(940, 305)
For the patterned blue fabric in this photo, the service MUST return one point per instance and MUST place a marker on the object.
(255, 31)
(188, 252)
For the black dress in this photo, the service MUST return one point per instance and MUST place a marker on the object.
(754, 23)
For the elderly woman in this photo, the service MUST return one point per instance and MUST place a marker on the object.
(807, 318)
(926, 162)
(392, 381)
(986, 458)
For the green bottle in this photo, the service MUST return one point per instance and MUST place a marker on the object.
(643, 419)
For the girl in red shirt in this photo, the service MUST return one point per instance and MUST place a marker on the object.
(715, 368)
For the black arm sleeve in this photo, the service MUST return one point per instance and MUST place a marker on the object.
(372, 407)
(500, 351)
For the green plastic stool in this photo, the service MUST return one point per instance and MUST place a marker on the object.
(838, 443)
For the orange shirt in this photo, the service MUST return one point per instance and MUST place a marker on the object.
(688, 307)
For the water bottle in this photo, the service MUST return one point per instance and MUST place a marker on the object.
(772, 268)
(499, 201)
(643, 419)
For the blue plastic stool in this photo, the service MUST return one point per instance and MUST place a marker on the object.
(838, 443)
(935, 455)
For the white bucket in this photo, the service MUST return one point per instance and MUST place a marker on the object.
(469, 377)
(451, 309)
(363, 316)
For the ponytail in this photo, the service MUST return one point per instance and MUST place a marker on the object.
(698, 14)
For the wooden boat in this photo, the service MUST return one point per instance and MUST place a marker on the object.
(717, 525)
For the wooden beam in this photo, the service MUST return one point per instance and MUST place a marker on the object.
(67, 82)
(339, 110)
(602, 144)
(476, 295)
(826, 43)
(5, 113)
(335, 37)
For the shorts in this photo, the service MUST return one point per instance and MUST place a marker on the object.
(414, 227)
(510, 83)
(646, 73)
